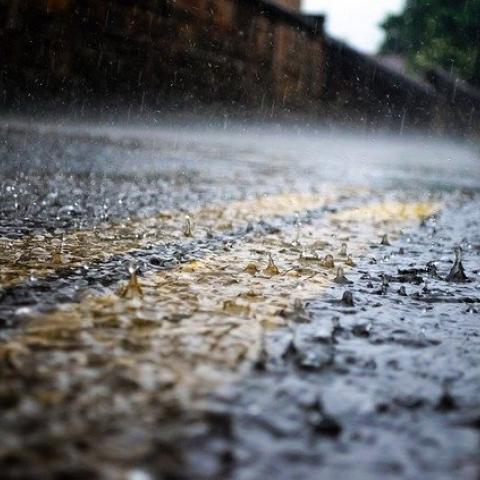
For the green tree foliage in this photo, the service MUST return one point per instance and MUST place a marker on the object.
(442, 33)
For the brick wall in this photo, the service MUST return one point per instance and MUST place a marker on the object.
(229, 54)
(164, 51)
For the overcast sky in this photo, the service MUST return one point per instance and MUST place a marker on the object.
(355, 21)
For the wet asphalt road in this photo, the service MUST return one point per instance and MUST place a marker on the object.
(384, 384)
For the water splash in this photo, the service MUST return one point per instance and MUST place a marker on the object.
(251, 268)
(271, 268)
(402, 291)
(133, 287)
(457, 273)
(296, 242)
(347, 299)
(320, 422)
(385, 240)
(385, 285)
(341, 279)
(328, 261)
(349, 261)
(298, 314)
(187, 231)
(57, 257)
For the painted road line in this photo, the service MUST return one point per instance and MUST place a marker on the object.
(202, 324)
(42, 255)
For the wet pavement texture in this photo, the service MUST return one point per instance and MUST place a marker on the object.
(193, 302)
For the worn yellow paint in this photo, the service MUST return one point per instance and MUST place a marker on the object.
(42, 255)
(189, 329)
(389, 211)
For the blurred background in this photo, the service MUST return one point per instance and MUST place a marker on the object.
(394, 63)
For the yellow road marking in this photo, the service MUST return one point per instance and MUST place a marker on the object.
(42, 255)
(199, 325)
(386, 211)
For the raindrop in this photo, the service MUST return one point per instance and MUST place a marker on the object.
(385, 284)
(340, 278)
(457, 273)
(251, 268)
(57, 257)
(187, 231)
(320, 422)
(271, 268)
(133, 287)
(432, 269)
(296, 241)
(328, 261)
(298, 314)
(446, 402)
(349, 261)
(347, 299)
(385, 240)
(402, 291)
(362, 330)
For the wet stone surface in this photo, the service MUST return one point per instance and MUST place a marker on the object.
(399, 375)
(315, 316)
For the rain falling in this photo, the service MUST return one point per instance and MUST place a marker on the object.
(234, 245)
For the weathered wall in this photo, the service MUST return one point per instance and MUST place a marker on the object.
(165, 51)
(361, 89)
(463, 101)
(229, 54)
